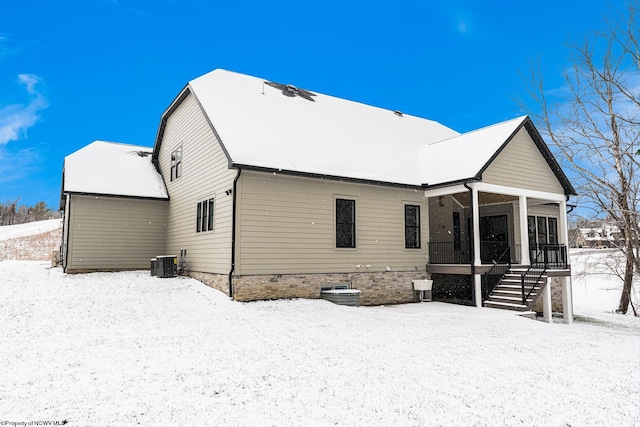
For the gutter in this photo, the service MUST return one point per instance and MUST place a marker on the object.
(233, 233)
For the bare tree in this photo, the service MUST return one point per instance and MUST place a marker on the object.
(594, 123)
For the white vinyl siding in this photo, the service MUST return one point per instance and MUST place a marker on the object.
(204, 173)
(521, 165)
(287, 225)
(111, 233)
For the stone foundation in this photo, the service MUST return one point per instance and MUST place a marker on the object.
(376, 287)
(216, 281)
(556, 297)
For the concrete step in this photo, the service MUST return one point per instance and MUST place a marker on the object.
(505, 305)
(508, 293)
(510, 299)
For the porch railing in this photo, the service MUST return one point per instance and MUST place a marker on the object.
(549, 255)
(448, 253)
(492, 278)
(543, 257)
(553, 256)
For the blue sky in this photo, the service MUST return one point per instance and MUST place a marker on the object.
(72, 72)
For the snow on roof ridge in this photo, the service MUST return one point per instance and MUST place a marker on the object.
(521, 118)
(121, 143)
(332, 136)
(395, 111)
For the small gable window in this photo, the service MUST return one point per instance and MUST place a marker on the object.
(205, 215)
(176, 163)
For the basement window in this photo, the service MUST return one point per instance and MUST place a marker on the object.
(176, 163)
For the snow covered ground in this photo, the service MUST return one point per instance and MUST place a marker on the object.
(30, 241)
(29, 229)
(127, 348)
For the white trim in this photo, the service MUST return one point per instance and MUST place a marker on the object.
(445, 191)
(513, 191)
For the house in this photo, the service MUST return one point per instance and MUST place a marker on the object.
(605, 236)
(115, 208)
(275, 191)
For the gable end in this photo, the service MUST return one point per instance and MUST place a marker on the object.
(544, 151)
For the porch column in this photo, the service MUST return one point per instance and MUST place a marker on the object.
(476, 226)
(563, 225)
(524, 231)
(567, 300)
(477, 280)
(546, 301)
(477, 289)
(567, 292)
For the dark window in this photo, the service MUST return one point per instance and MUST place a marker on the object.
(176, 163)
(456, 231)
(210, 218)
(205, 205)
(345, 223)
(531, 227)
(411, 227)
(205, 215)
(542, 230)
(199, 218)
(553, 230)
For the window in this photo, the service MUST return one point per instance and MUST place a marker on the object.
(542, 230)
(456, 231)
(205, 215)
(176, 163)
(205, 205)
(553, 230)
(412, 227)
(345, 223)
(199, 218)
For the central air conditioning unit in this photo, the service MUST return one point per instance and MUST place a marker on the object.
(167, 266)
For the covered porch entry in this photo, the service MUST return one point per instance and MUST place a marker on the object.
(499, 245)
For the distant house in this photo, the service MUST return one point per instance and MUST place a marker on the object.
(276, 191)
(605, 236)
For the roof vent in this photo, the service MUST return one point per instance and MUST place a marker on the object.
(291, 91)
(142, 153)
(398, 113)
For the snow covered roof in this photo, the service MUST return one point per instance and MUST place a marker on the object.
(470, 151)
(606, 232)
(113, 169)
(266, 125)
(272, 126)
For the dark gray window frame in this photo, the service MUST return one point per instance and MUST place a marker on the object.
(176, 163)
(345, 232)
(412, 227)
(205, 215)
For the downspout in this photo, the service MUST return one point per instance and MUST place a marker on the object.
(233, 233)
(66, 222)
